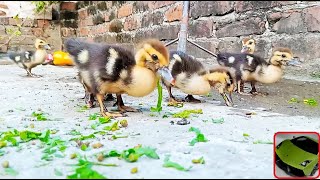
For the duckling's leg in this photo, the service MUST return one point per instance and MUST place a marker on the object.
(172, 99)
(30, 74)
(103, 109)
(89, 99)
(109, 97)
(190, 98)
(239, 89)
(254, 91)
(122, 107)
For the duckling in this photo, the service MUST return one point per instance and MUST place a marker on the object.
(31, 59)
(248, 46)
(112, 69)
(193, 79)
(252, 68)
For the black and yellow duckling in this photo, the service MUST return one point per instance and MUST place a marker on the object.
(111, 69)
(252, 68)
(193, 79)
(248, 47)
(30, 59)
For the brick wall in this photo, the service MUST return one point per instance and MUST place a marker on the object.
(57, 23)
(218, 25)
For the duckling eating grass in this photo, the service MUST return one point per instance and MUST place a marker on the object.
(106, 69)
(193, 79)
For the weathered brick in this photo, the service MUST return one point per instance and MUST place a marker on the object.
(174, 13)
(14, 22)
(254, 25)
(116, 26)
(201, 28)
(84, 31)
(306, 48)
(158, 4)
(2, 31)
(132, 23)
(207, 8)
(70, 24)
(92, 10)
(23, 40)
(68, 32)
(3, 13)
(109, 38)
(83, 14)
(118, 3)
(102, 28)
(140, 6)
(4, 20)
(3, 6)
(155, 18)
(37, 31)
(68, 15)
(125, 10)
(123, 38)
(312, 18)
(102, 6)
(89, 21)
(70, 6)
(162, 33)
(230, 44)
(98, 19)
(26, 31)
(291, 25)
(109, 4)
(43, 23)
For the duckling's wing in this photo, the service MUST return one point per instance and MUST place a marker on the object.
(184, 63)
(21, 57)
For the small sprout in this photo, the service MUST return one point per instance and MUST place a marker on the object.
(134, 170)
(198, 161)
(100, 157)
(310, 101)
(5, 164)
(97, 145)
(124, 123)
(73, 155)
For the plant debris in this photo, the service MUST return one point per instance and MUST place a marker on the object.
(218, 121)
(262, 142)
(41, 116)
(168, 164)
(293, 100)
(199, 138)
(134, 170)
(198, 161)
(159, 104)
(113, 127)
(186, 113)
(85, 171)
(310, 102)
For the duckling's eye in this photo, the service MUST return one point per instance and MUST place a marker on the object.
(250, 43)
(284, 56)
(41, 42)
(154, 57)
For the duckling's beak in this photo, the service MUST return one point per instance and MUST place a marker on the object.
(47, 47)
(244, 49)
(227, 99)
(294, 62)
(165, 73)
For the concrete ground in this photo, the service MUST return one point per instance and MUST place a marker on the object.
(231, 151)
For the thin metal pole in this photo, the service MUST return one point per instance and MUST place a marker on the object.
(171, 42)
(182, 44)
(202, 48)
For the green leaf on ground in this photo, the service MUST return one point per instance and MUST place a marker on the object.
(199, 138)
(186, 113)
(168, 164)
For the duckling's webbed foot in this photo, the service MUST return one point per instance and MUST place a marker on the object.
(122, 107)
(190, 98)
(109, 97)
(32, 75)
(254, 90)
(174, 102)
(103, 110)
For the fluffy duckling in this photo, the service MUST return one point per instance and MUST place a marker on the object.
(31, 59)
(111, 69)
(248, 45)
(252, 68)
(193, 79)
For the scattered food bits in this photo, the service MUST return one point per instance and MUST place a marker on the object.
(100, 157)
(134, 170)
(5, 164)
(97, 145)
(124, 123)
(72, 156)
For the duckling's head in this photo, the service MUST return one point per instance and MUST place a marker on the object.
(152, 54)
(283, 57)
(248, 45)
(42, 44)
(222, 80)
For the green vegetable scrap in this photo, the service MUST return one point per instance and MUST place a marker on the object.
(199, 138)
(41, 116)
(82, 137)
(293, 100)
(113, 127)
(186, 113)
(198, 161)
(83, 108)
(310, 101)
(262, 142)
(85, 171)
(218, 121)
(168, 164)
(245, 135)
(133, 154)
(159, 104)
